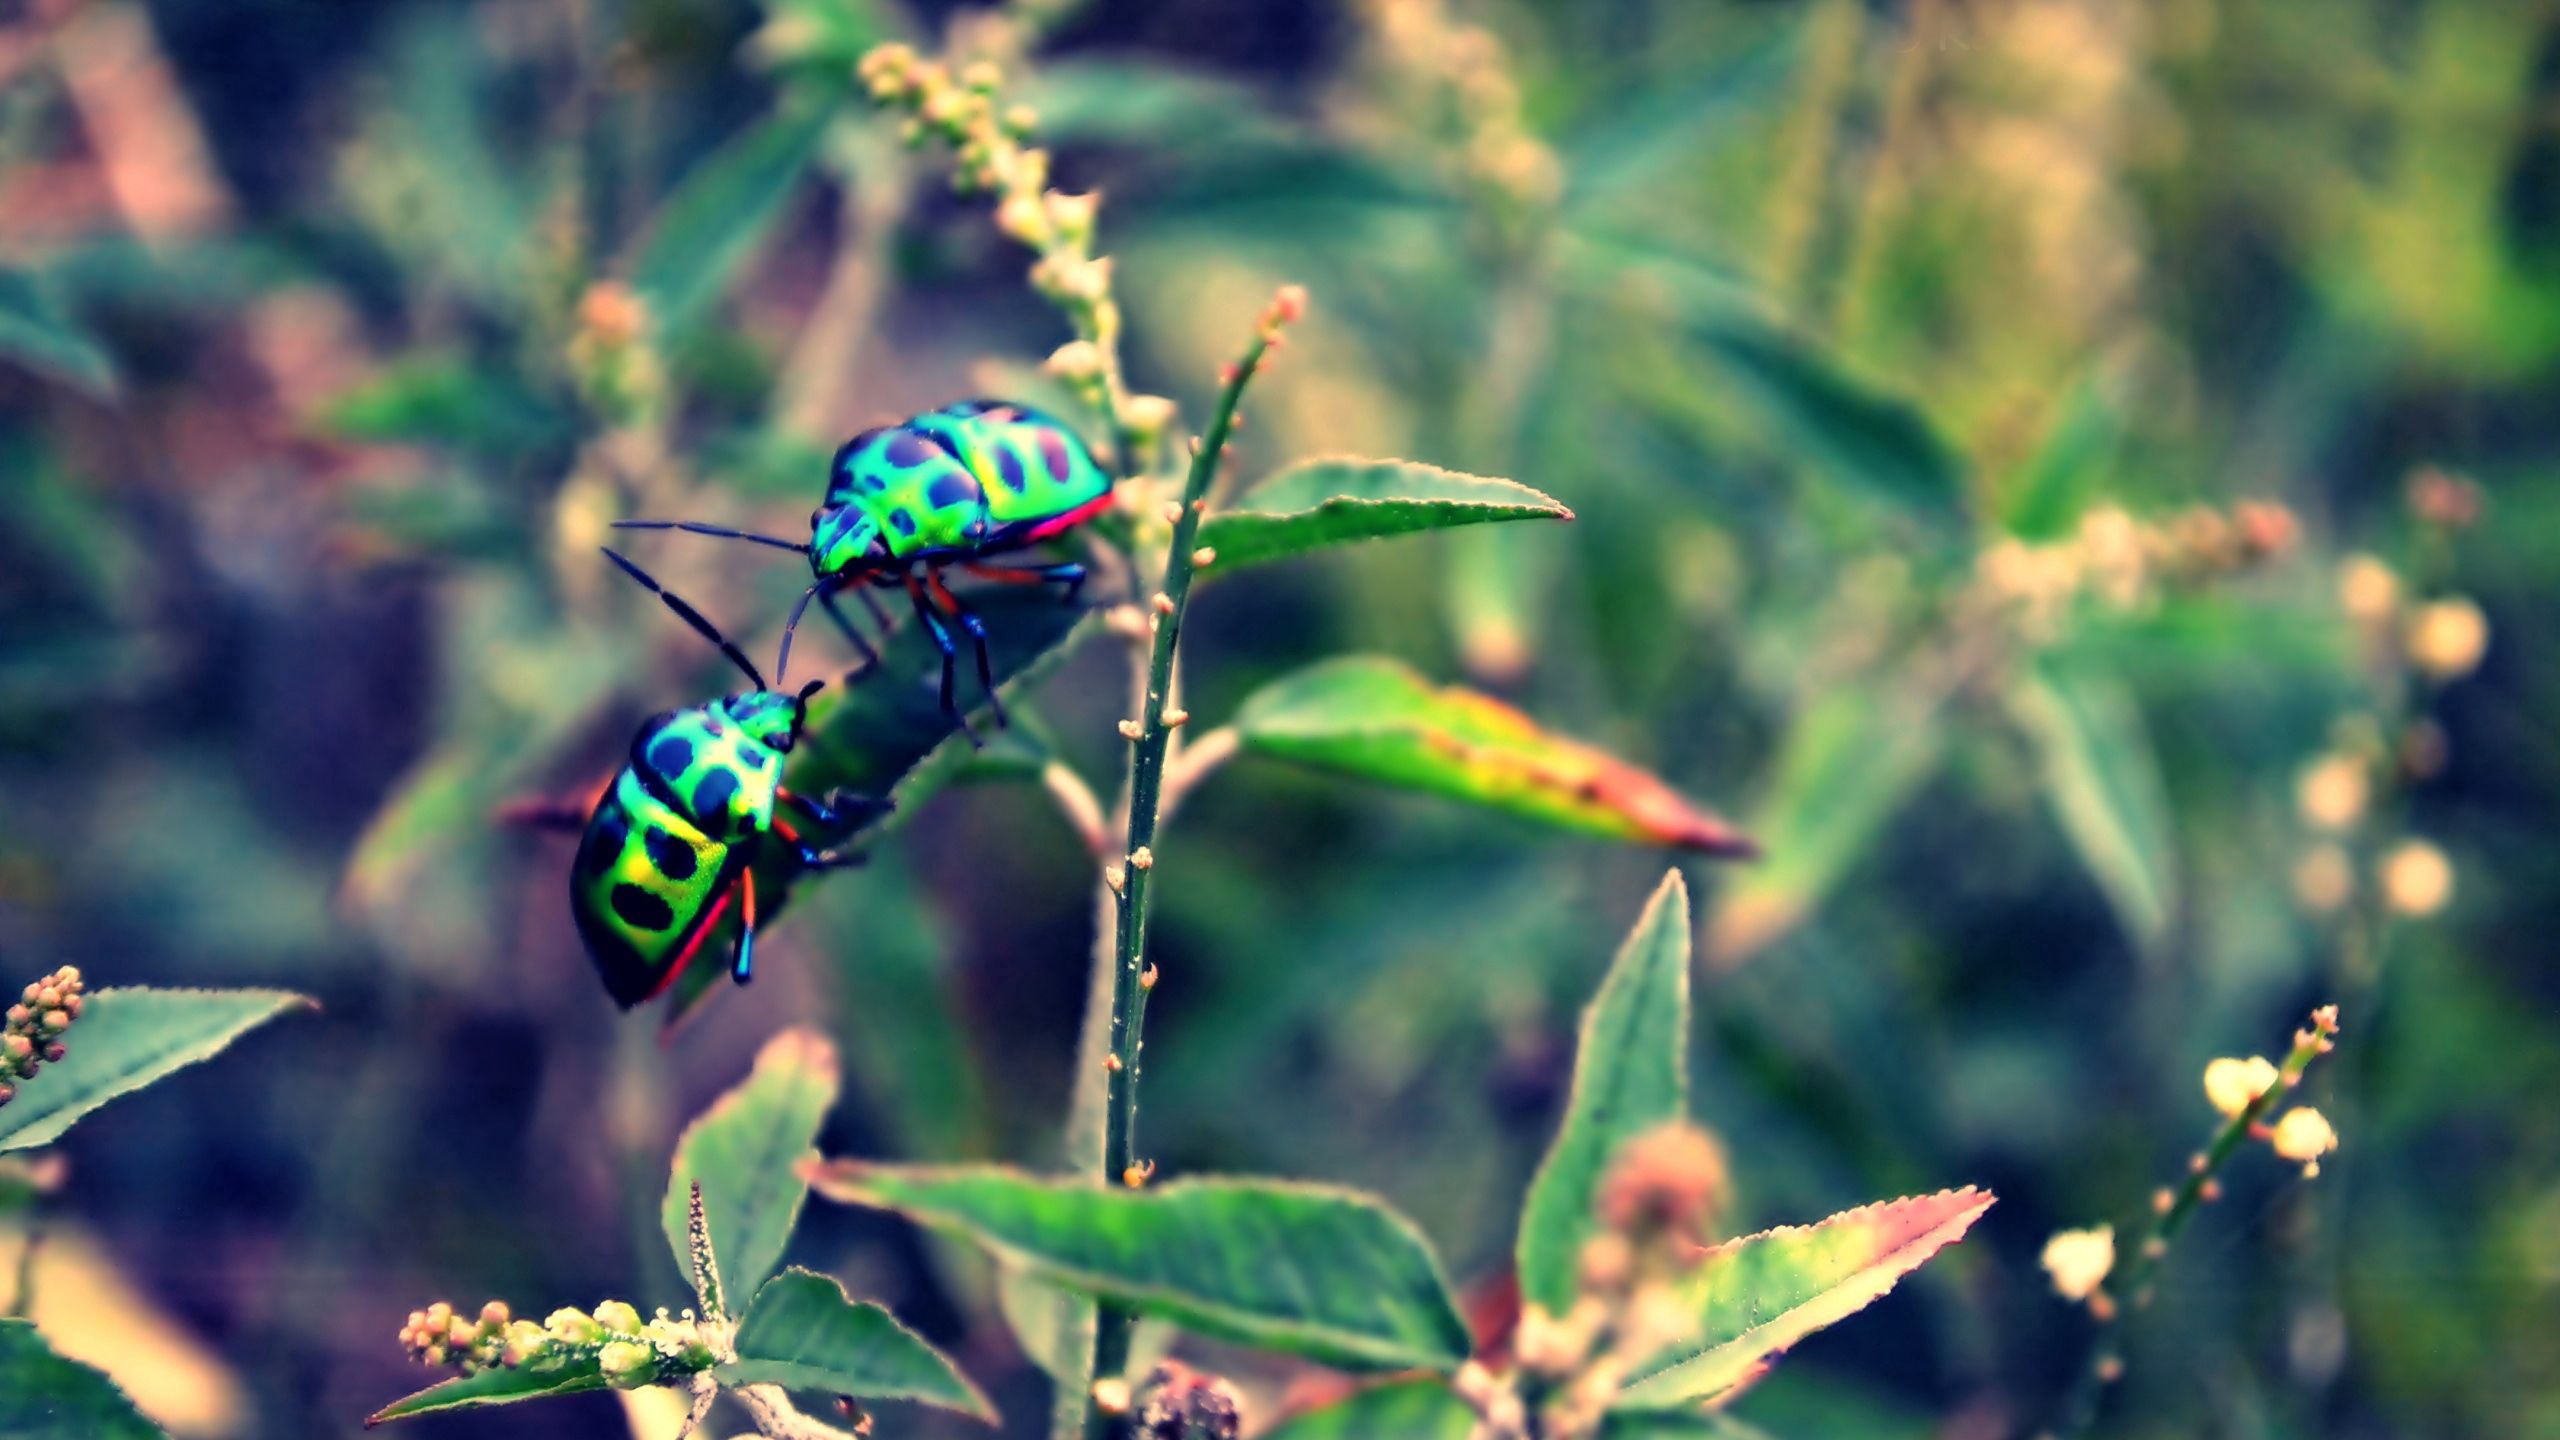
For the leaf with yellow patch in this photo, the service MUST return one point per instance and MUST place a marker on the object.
(1375, 719)
(1756, 1296)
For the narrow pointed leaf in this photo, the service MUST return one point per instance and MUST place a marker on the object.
(1630, 1074)
(502, 1386)
(36, 334)
(804, 1333)
(746, 1152)
(1848, 761)
(720, 210)
(126, 1038)
(1395, 1410)
(46, 1397)
(1845, 426)
(1374, 719)
(2102, 780)
(1756, 1296)
(1339, 500)
(1328, 1274)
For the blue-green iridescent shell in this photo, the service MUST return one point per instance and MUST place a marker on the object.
(673, 832)
(966, 478)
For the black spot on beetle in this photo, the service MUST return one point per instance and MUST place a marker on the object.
(1009, 468)
(604, 844)
(953, 489)
(674, 858)
(671, 756)
(712, 796)
(640, 909)
(907, 449)
(902, 522)
(1053, 453)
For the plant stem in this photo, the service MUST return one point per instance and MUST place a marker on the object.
(1133, 978)
(2133, 1280)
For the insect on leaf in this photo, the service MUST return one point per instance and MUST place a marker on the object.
(1756, 1296)
(1375, 719)
(745, 1152)
(804, 1333)
(126, 1038)
(504, 1385)
(1328, 1274)
(1340, 500)
(46, 1397)
(1630, 1074)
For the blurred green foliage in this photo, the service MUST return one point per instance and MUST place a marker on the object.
(1847, 331)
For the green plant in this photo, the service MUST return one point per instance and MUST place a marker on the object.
(757, 1336)
(67, 1050)
(1631, 1318)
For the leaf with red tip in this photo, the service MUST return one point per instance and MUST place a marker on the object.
(1756, 1296)
(1375, 719)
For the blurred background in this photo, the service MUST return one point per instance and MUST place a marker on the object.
(2072, 476)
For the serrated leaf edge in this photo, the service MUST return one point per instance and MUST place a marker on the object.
(840, 1180)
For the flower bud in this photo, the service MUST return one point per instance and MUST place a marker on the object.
(2417, 879)
(619, 1317)
(1667, 1182)
(2079, 1260)
(572, 1326)
(2304, 1135)
(2447, 638)
(2234, 1085)
(627, 1364)
(2332, 791)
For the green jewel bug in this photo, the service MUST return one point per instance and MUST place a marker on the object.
(673, 839)
(950, 487)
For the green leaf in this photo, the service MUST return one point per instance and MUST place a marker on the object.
(1328, 1274)
(719, 211)
(1396, 1410)
(1848, 761)
(1630, 1074)
(1339, 500)
(2046, 493)
(1045, 1321)
(449, 402)
(803, 1333)
(746, 1152)
(36, 334)
(126, 1038)
(1375, 719)
(1677, 1425)
(1756, 1296)
(883, 723)
(1650, 138)
(568, 1375)
(46, 1397)
(2103, 781)
(1838, 422)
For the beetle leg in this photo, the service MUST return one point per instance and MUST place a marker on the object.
(870, 653)
(978, 636)
(941, 634)
(743, 968)
(1069, 575)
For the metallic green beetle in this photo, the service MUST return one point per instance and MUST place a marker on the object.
(953, 486)
(674, 838)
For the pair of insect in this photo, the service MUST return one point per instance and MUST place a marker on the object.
(671, 845)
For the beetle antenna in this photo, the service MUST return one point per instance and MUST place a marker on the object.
(690, 616)
(791, 627)
(692, 527)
